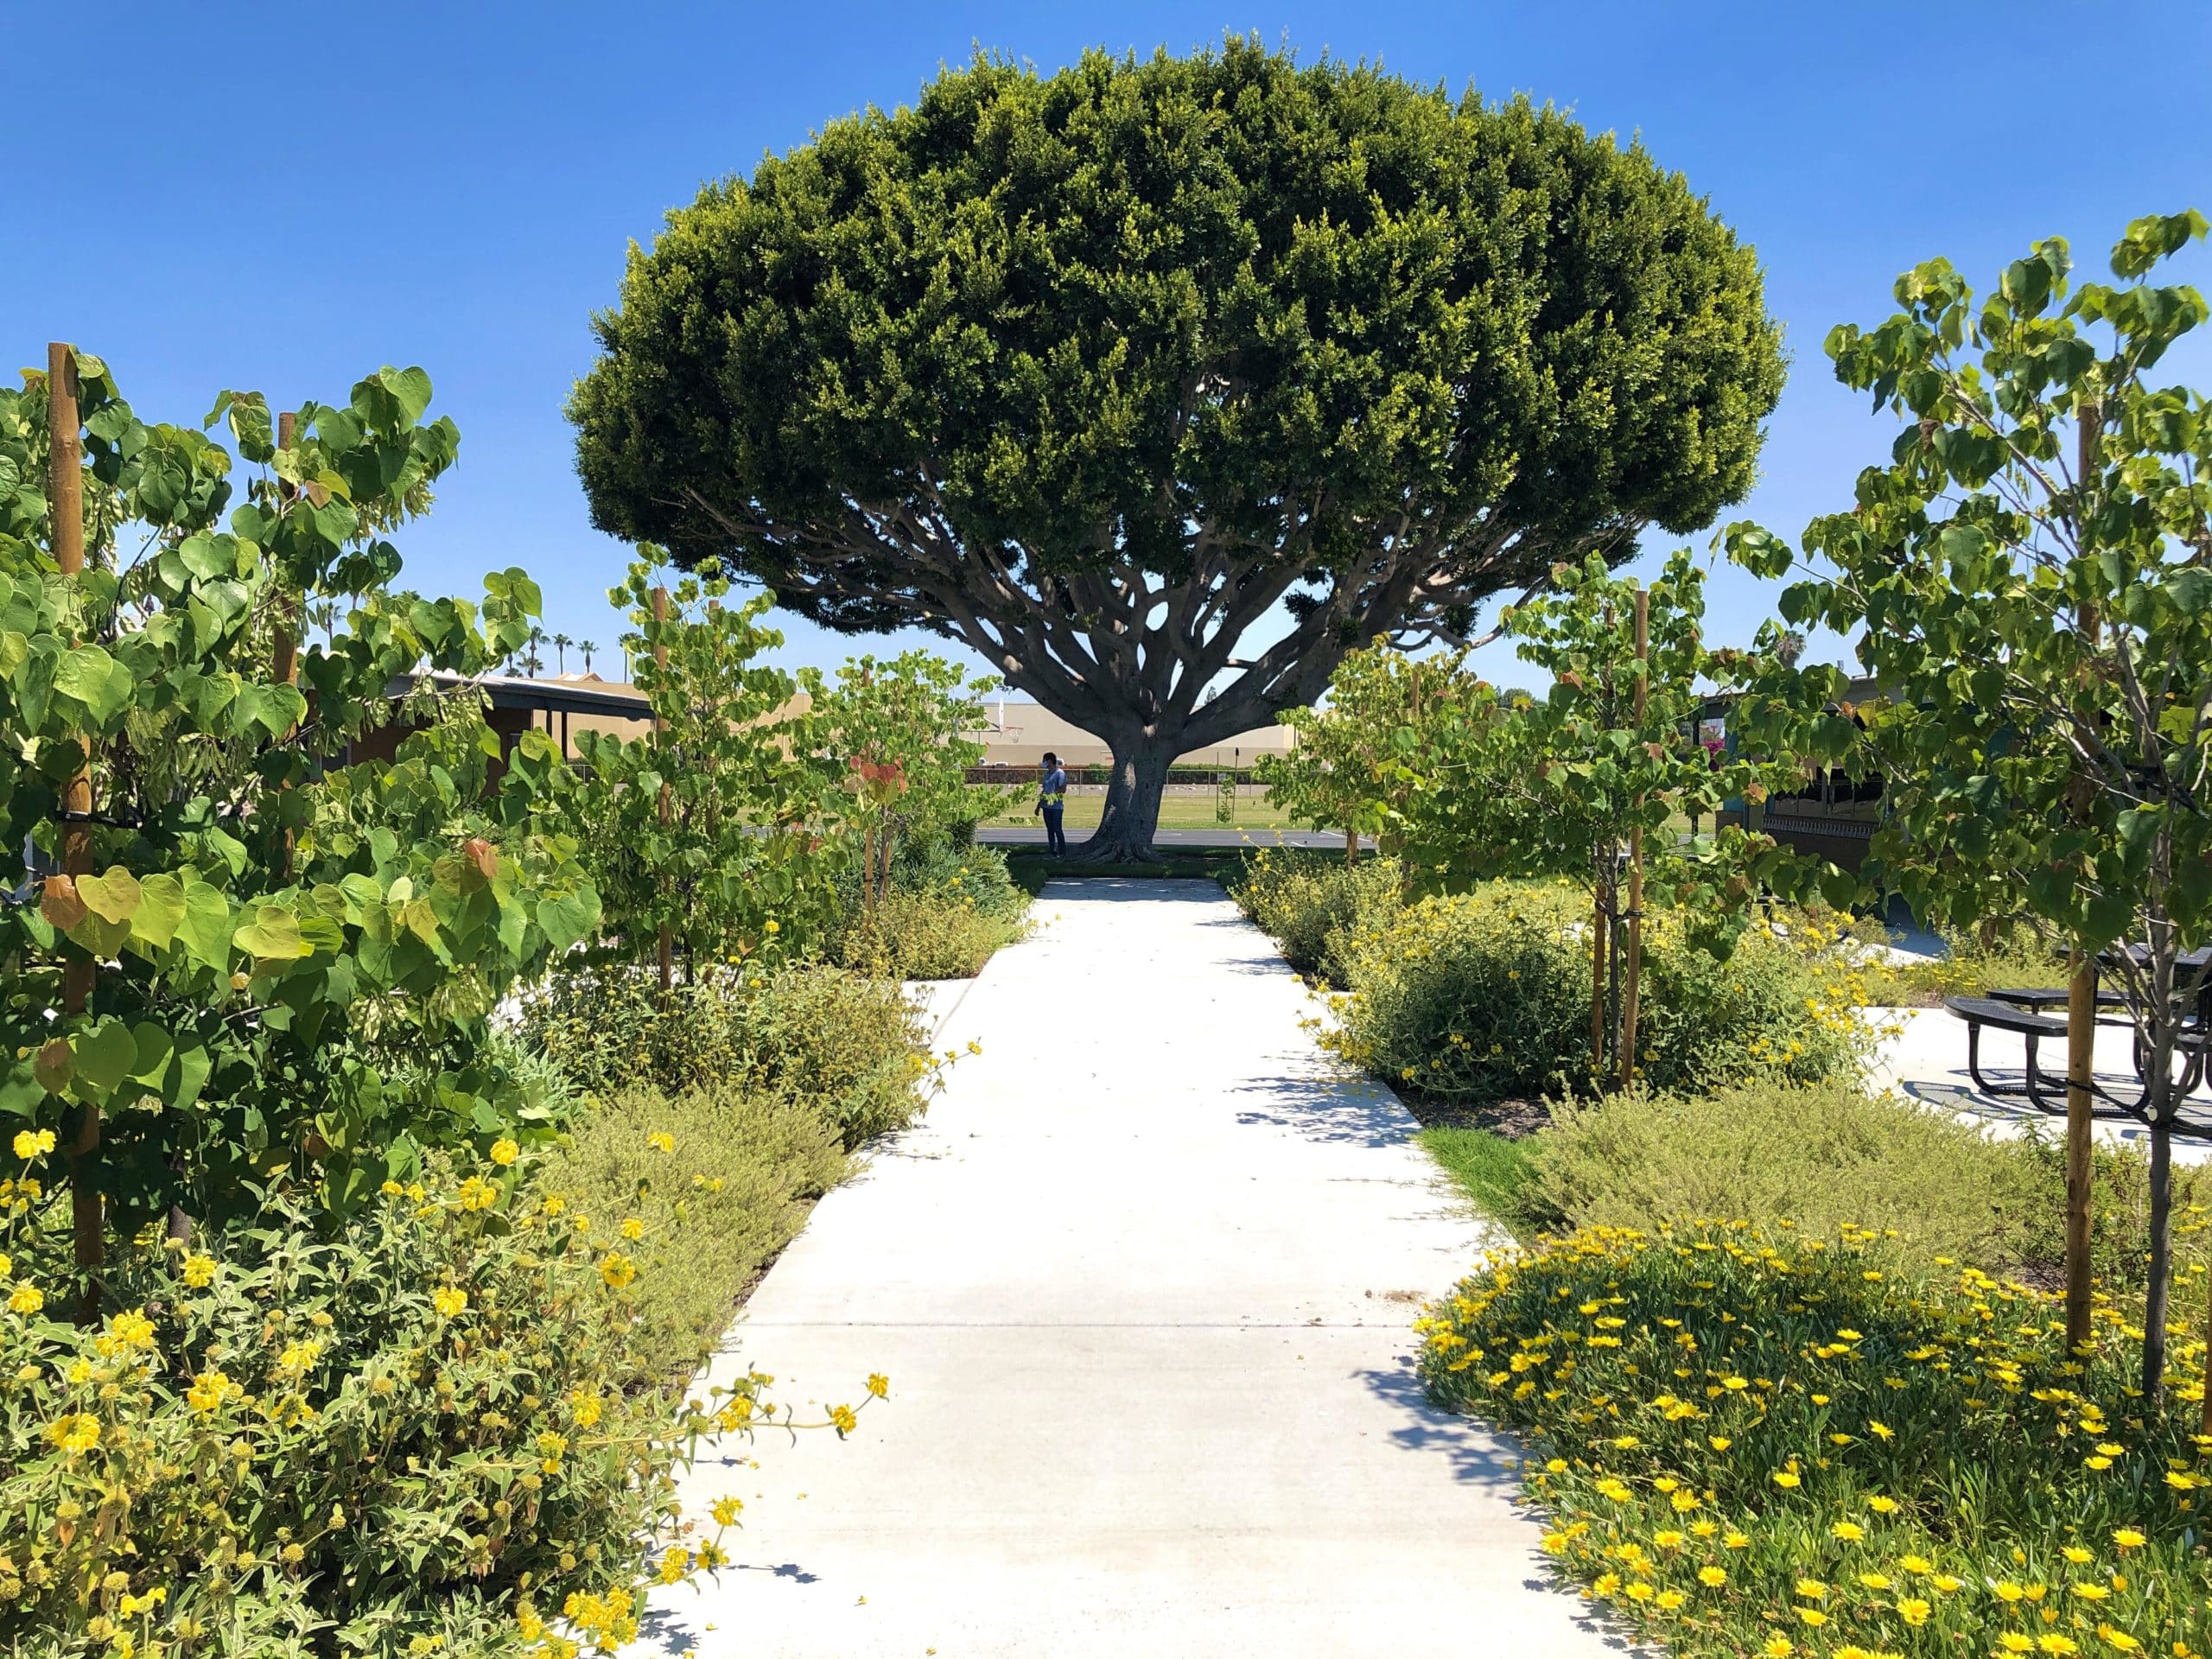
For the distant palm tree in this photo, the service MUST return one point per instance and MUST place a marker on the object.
(534, 662)
(561, 644)
(323, 613)
(586, 647)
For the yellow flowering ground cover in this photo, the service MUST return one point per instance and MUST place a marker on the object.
(429, 1429)
(1754, 1442)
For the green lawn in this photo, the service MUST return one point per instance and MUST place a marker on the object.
(1494, 1171)
(1176, 812)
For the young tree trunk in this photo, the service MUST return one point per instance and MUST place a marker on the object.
(2161, 1264)
(1601, 934)
(1133, 795)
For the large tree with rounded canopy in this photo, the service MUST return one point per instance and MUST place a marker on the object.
(1102, 373)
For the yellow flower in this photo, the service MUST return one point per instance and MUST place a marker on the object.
(2092, 1591)
(1735, 1539)
(477, 1194)
(1712, 1577)
(661, 1140)
(726, 1510)
(207, 1391)
(1787, 1478)
(505, 1151)
(1812, 1589)
(1718, 1442)
(1670, 1600)
(1667, 1540)
(1914, 1610)
(2051, 1642)
(586, 1407)
(26, 1298)
(30, 1143)
(1875, 1581)
(75, 1432)
(2120, 1641)
(2013, 1642)
(1946, 1582)
(2076, 1554)
(1850, 1531)
(1779, 1647)
(1639, 1590)
(1812, 1616)
(2128, 1538)
(199, 1270)
(632, 1229)
(2181, 1482)
(674, 1564)
(1882, 1505)
(617, 1269)
(771, 926)
(448, 1301)
(880, 1386)
(842, 1420)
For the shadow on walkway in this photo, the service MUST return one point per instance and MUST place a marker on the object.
(1326, 1109)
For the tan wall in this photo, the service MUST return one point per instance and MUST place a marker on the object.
(1018, 736)
(1020, 733)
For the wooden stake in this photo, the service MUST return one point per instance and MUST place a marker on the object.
(64, 495)
(1635, 964)
(1352, 847)
(284, 653)
(2080, 1077)
(2081, 999)
(667, 950)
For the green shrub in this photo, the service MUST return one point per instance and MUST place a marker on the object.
(1820, 1155)
(977, 875)
(1486, 995)
(1304, 900)
(922, 935)
(851, 1046)
(717, 1179)
(292, 1442)
(1761, 1441)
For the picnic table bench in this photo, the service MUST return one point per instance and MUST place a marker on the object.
(2018, 1012)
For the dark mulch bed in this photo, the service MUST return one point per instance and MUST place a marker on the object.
(1515, 1120)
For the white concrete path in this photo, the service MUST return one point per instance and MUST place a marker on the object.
(1142, 1283)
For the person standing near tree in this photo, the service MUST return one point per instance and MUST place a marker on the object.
(1051, 801)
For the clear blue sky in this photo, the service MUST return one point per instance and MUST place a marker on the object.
(281, 198)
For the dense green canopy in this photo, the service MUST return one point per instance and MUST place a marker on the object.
(1093, 372)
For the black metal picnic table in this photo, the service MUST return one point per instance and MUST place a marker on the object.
(2020, 1011)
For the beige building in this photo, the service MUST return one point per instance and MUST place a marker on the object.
(1015, 734)
(1018, 734)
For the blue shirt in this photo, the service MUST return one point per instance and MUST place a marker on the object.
(1055, 785)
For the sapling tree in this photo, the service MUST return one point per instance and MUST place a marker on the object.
(1587, 782)
(231, 957)
(900, 730)
(2030, 581)
(711, 824)
(1108, 374)
(1342, 774)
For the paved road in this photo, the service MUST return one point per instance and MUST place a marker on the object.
(1142, 1283)
(1227, 836)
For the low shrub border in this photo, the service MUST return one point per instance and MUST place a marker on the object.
(1757, 1441)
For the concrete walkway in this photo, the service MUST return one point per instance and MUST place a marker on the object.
(1142, 1283)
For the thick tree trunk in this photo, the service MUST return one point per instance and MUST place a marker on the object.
(1125, 829)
